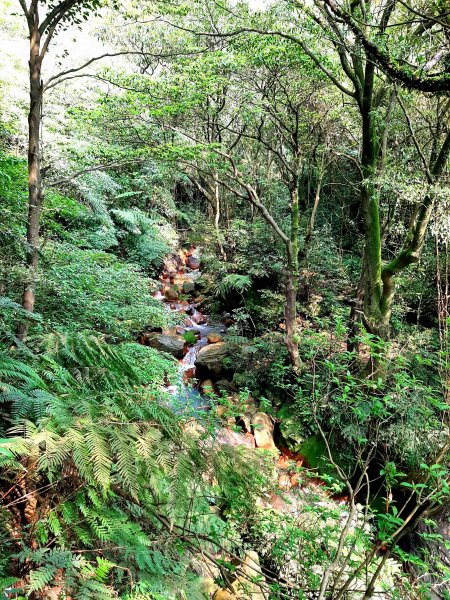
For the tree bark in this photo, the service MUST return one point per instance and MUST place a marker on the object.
(371, 211)
(35, 191)
(290, 313)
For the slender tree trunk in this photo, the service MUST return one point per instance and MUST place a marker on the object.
(291, 289)
(35, 191)
(370, 208)
(217, 217)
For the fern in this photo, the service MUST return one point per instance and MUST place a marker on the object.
(117, 468)
(232, 283)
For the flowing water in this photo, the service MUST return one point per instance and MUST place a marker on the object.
(186, 391)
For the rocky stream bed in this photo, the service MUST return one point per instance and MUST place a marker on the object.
(199, 344)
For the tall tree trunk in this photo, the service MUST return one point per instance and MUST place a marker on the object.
(370, 209)
(291, 289)
(35, 192)
(217, 217)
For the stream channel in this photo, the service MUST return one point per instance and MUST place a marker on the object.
(181, 273)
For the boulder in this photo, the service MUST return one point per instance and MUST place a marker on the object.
(198, 318)
(224, 595)
(208, 586)
(228, 386)
(229, 437)
(188, 286)
(244, 587)
(214, 338)
(165, 342)
(192, 262)
(171, 294)
(263, 427)
(211, 358)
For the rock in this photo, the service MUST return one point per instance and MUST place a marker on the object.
(244, 587)
(208, 586)
(233, 438)
(263, 431)
(284, 481)
(188, 286)
(224, 384)
(170, 266)
(171, 294)
(188, 374)
(192, 262)
(165, 342)
(214, 338)
(245, 423)
(221, 411)
(207, 386)
(211, 358)
(198, 318)
(224, 595)
(183, 305)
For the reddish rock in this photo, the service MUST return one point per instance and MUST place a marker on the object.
(192, 262)
(188, 374)
(214, 338)
(295, 480)
(198, 318)
(263, 431)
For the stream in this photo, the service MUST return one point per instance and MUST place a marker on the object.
(178, 291)
(187, 391)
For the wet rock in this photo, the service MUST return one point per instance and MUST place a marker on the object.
(171, 294)
(214, 338)
(192, 262)
(183, 305)
(234, 438)
(188, 286)
(165, 342)
(188, 374)
(211, 358)
(198, 318)
(263, 431)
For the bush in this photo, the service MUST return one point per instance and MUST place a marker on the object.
(87, 289)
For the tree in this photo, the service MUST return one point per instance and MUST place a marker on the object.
(41, 31)
(356, 75)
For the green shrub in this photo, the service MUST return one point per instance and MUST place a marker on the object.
(87, 289)
(189, 337)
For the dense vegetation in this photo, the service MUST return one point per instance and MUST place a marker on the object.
(282, 167)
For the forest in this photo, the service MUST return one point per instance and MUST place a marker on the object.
(224, 299)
